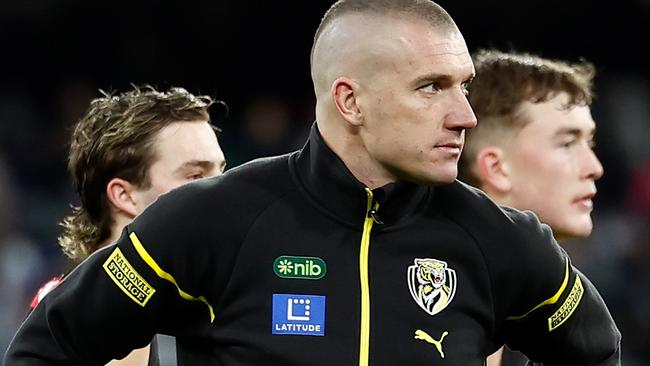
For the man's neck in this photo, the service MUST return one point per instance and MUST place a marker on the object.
(119, 223)
(349, 148)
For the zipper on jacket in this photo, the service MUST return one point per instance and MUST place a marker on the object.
(364, 334)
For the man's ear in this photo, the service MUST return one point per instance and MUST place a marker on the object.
(120, 196)
(494, 170)
(345, 99)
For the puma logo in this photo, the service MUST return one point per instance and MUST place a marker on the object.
(422, 335)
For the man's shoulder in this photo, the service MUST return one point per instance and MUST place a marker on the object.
(259, 174)
(464, 202)
(491, 224)
(516, 246)
(267, 170)
(249, 185)
(221, 206)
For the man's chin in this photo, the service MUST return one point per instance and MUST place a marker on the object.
(437, 180)
(430, 177)
(580, 231)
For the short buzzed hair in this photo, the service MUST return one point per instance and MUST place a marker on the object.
(506, 80)
(420, 9)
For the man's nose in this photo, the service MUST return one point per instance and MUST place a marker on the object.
(461, 115)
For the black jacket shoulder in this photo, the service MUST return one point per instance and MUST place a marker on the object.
(233, 198)
(522, 257)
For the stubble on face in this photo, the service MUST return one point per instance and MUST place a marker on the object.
(415, 110)
(403, 133)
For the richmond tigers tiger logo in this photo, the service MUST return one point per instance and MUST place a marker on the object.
(431, 284)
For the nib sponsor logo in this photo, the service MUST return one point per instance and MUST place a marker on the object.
(307, 268)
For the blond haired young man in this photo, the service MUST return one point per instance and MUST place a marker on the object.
(127, 150)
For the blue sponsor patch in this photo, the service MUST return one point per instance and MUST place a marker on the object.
(298, 315)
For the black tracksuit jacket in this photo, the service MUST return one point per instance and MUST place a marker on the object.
(291, 261)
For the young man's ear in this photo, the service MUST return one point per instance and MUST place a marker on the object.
(344, 97)
(494, 170)
(120, 195)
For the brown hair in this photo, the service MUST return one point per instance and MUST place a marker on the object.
(503, 82)
(115, 139)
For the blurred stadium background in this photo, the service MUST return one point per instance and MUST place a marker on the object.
(255, 56)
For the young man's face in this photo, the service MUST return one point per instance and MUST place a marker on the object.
(553, 168)
(414, 106)
(185, 151)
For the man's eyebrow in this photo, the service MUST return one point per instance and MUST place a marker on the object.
(442, 78)
(205, 164)
(573, 131)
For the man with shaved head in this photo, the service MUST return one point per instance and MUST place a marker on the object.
(359, 249)
(385, 72)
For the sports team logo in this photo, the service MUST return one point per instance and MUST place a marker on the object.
(432, 284)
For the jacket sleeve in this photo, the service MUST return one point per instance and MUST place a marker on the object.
(548, 309)
(150, 281)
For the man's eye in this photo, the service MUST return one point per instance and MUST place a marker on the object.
(567, 144)
(195, 176)
(431, 88)
(592, 143)
(465, 88)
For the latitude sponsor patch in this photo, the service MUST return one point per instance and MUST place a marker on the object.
(127, 278)
(568, 306)
(298, 315)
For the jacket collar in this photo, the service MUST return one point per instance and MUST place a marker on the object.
(333, 187)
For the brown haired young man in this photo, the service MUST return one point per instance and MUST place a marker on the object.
(532, 148)
(359, 249)
(129, 149)
(126, 151)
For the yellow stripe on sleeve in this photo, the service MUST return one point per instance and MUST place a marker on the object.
(551, 300)
(164, 275)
